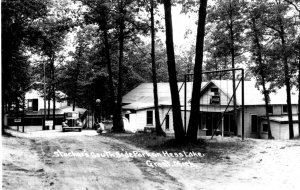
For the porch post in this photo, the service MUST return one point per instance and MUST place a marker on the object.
(222, 126)
(243, 121)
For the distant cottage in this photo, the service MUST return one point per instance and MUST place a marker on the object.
(34, 111)
(217, 115)
(34, 102)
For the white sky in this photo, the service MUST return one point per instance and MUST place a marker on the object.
(181, 23)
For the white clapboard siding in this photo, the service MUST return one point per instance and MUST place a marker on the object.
(259, 111)
(206, 97)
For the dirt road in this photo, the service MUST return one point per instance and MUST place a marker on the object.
(88, 161)
(41, 163)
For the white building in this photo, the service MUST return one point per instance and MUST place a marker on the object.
(138, 105)
(215, 109)
(34, 102)
(255, 126)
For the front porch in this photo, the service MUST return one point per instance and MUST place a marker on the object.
(217, 123)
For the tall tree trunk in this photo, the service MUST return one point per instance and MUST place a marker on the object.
(3, 116)
(17, 108)
(108, 61)
(44, 94)
(118, 121)
(288, 92)
(299, 96)
(74, 100)
(287, 82)
(176, 108)
(74, 94)
(233, 66)
(77, 72)
(49, 99)
(75, 86)
(53, 111)
(189, 64)
(195, 119)
(262, 74)
(266, 96)
(53, 90)
(158, 128)
(294, 4)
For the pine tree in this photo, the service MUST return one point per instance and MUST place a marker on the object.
(176, 108)
(195, 103)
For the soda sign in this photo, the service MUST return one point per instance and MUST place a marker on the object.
(215, 100)
(49, 123)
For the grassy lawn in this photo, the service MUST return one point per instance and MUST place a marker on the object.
(217, 150)
(248, 164)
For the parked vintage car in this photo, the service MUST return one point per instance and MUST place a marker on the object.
(72, 122)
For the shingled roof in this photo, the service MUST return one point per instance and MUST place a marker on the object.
(253, 95)
(141, 97)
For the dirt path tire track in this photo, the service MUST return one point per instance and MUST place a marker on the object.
(128, 173)
(19, 172)
(261, 165)
(157, 176)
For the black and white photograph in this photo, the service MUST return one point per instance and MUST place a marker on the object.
(150, 94)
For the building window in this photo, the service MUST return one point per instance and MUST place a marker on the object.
(270, 109)
(33, 105)
(215, 100)
(127, 116)
(265, 127)
(284, 109)
(214, 89)
(167, 122)
(149, 117)
(254, 123)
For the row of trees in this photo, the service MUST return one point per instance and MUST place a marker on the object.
(106, 49)
(17, 32)
(269, 31)
(272, 30)
(110, 55)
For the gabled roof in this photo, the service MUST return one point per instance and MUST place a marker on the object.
(141, 97)
(138, 106)
(252, 95)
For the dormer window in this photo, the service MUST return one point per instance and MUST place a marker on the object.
(214, 89)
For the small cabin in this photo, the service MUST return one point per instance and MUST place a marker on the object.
(34, 101)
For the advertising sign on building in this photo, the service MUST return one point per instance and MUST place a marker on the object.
(49, 123)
